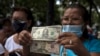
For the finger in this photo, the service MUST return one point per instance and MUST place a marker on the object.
(65, 42)
(68, 46)
(28, 35)
(29, 38)
(65, 34)
(59, 40)
(21, 42)
(24, 43)
(23, 37)
(61, 35)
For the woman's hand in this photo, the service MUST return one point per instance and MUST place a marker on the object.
(69, 40)
(73, 42)
(25, 38)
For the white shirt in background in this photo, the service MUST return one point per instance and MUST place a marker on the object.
(10, 44)
(2, 50)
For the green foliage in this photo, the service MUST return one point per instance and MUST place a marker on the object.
(40, 7)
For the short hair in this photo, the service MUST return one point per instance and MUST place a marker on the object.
(28, 13)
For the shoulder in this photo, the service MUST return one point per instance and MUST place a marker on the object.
(94, 45)
(9, 41)
(10, 38)
(95, 41)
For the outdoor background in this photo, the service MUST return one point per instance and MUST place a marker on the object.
(48, 12)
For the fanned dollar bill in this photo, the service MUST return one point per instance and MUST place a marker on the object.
(47, 33)
(44, 39)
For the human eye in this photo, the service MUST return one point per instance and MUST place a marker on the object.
(66, 18)
(75, 18)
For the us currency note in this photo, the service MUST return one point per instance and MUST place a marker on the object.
(47, 33)
(44, 47)
(44, 39)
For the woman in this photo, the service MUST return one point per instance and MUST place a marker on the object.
(74, 39)
(19, 43)
(22, 21)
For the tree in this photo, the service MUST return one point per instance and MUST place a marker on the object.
(40, 8)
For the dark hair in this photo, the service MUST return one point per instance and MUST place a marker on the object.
(28, 13)
(3, 21)
(85, 16)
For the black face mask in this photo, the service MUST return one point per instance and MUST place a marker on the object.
(19, 25)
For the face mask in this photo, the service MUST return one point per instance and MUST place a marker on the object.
(77, 29)
(19, 25)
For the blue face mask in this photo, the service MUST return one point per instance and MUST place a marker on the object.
(18, 25)
(77, 29)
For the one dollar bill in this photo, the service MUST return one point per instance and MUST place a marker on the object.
(48, 33)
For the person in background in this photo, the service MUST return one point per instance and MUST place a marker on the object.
(5, 32)
(2, 50)
(19, 43)
(89, 29)
(22, 22)
(74, 39)
(95, 29)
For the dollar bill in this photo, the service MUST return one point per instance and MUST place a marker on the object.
(43, 39)
(47, 33)
(44, 47)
